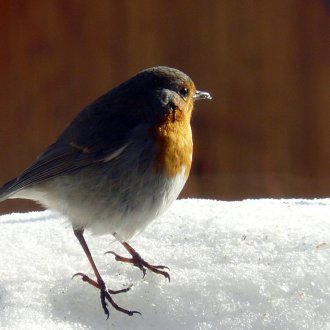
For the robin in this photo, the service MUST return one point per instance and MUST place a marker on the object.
(118, 165)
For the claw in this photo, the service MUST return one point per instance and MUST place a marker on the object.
(118, 308)
(104, 303)
(161, 267)
(167, 275)
(120, 291)
(128, 260)
(105, 295)
(87, 279)
(118, 257)
(77, 274)
(137, 261)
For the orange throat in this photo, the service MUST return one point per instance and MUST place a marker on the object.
(174, 145)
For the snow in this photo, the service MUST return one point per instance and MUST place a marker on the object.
(253, 264)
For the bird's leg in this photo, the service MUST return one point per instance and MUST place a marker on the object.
(99, 283)
(137, 261)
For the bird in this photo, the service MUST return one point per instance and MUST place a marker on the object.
(118, 165)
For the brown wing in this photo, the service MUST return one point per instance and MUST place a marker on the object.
(57, 159)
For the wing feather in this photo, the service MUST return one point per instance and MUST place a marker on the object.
(58, 159)
(98, 134)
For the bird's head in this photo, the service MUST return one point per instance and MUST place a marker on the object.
(161, 93)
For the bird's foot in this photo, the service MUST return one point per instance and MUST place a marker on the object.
(137, 261)
(105, 295)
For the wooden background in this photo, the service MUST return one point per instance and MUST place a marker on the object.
(266, 63)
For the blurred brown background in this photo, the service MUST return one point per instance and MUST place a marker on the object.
(266, 63)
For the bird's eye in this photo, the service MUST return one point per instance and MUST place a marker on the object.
(184, 92)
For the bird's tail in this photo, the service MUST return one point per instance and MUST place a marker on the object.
(6, 190)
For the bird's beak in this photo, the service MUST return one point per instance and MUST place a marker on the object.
(202, 96)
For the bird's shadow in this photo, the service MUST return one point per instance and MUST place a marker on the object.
(3, 298)
(80, 304)
(32, 217)
(15, 222)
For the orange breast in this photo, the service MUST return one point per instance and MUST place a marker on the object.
(174, 144)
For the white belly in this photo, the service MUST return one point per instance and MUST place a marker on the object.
(98, 207)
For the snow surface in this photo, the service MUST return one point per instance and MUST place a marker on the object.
(254, 264)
